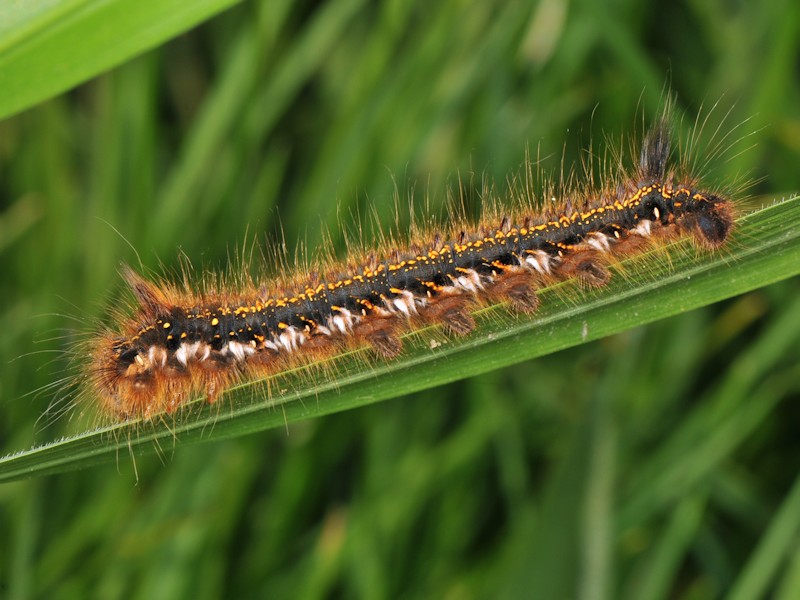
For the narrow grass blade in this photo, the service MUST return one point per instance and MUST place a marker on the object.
(49, 47)
(765, 249)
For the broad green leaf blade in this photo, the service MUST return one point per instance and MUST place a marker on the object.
(48, 47)
(764, 249)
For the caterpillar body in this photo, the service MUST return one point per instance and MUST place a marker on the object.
(179, 344)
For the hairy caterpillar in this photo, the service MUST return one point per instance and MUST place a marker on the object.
(180, 343)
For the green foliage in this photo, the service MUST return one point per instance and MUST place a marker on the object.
(49, 47)
(648, 288)
(655, 463)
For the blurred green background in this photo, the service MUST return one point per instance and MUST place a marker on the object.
(660, 463)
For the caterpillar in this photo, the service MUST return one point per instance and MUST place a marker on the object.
(178, 343)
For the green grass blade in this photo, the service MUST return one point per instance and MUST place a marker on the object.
(775, 547)
(49, 47)
(765, 249)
